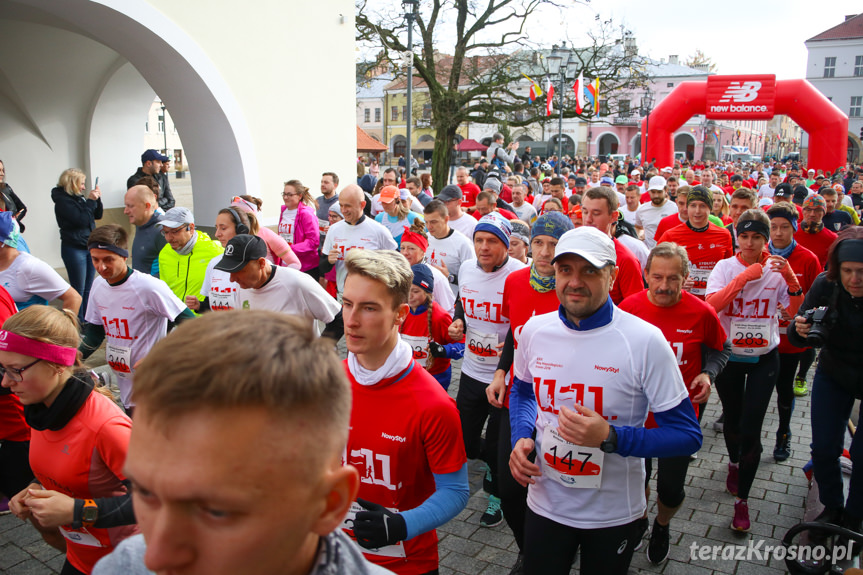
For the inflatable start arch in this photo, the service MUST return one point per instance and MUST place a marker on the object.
(755, 97)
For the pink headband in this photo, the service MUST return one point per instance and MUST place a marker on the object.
(32, 348)
(246, 206)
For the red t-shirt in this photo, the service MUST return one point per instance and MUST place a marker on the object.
(818, 244)
(520, 303)
(403, 430)
(505, 213)
(629, 279)
(84, 460)
(469, 191)
(704, 250)
(806, 267)
(667, 223)
(416, 325)
(12, 424)
(645, 197)
(685, 325)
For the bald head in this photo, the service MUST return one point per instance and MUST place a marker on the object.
(352, 200)
(139, 204)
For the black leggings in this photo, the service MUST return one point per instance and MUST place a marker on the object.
(549, 547)
(745, 390)
(513, 497)
(69, 570)
(806, 361)
(670, 479)
(15, 472)
(788, 363)
(474, 409)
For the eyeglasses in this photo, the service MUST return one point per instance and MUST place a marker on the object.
(169, 232)
(287, 195)
(15, 374)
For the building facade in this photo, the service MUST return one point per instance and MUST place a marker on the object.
(835, 67)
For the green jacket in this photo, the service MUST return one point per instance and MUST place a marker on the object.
(185, 274)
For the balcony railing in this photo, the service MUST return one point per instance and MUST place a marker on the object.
(626, 120)
(423, 123)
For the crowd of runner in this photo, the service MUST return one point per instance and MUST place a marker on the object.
(594, 306)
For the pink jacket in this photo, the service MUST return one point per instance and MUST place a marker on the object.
(307, 236)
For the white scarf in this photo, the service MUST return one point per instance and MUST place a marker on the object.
(398, 360)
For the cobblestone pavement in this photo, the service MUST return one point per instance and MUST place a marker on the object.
(776, 503)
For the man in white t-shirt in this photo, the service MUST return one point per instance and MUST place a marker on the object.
(479, 319)
(769, 189)
(522, 209)
(265, 286)
(632, 200)
(355, 231)
(708, 178)
(130, 309)
(586, 484)
(648, 215)
(448, 248)
(459, 220)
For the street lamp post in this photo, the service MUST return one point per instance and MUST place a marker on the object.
(646, 107)
(410, 15)
(556, 65)
(165, 127)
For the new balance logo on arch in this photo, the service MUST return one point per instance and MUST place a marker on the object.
(741, 92)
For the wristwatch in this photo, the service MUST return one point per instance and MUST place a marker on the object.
(610, 443)
(451, 278)
(90, 513)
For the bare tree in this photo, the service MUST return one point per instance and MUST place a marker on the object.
(480, 79)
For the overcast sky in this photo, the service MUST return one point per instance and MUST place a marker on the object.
(741, 36)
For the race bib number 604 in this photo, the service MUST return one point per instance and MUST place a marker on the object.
(483, 346)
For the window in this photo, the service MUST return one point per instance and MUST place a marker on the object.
(377, 115)
(161, 127)
(670, 85)
(395, 114)
(147, 127)
(856, 105)
(858, 66)
(829, 67)
(404, 113)
(603, 107)
(623, 107)
(426, 111)
(367, 114)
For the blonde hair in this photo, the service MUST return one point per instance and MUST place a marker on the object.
(48, 325)
(724, 210)
(268, 360)
(70, 180)
(386, 266)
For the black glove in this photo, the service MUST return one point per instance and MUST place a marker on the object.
(378, 527)
(436, 349)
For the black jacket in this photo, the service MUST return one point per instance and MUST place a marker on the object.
(76, 217)
(840, 356)
(166, 197)
(13, 204)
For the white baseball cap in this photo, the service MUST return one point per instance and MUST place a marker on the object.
(656, 183)
(589, 243)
